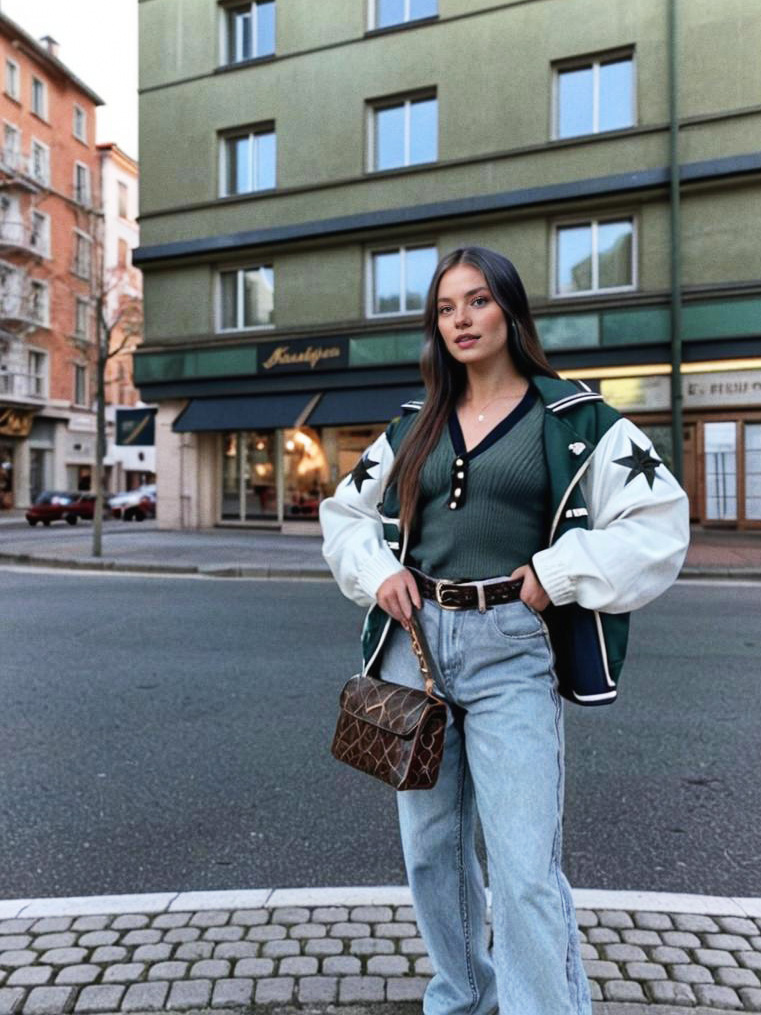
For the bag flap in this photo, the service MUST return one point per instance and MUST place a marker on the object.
(388, 706)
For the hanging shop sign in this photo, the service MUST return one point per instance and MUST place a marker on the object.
(301, 356)
(136, 427)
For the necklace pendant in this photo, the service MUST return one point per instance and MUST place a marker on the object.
(481, 418)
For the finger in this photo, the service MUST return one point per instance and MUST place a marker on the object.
(414, 591)
(519, 572)
(405, 602)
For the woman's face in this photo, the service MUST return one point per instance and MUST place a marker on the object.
(466, 307)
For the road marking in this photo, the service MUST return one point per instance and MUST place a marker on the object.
(113, 573)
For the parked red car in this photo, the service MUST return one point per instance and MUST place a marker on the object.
(52, 505)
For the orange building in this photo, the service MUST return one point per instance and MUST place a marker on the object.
(50, 254)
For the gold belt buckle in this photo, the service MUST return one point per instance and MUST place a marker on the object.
(439, 592)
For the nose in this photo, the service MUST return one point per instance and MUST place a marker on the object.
(461, 317)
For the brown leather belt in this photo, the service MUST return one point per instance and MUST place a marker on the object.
(473, 595)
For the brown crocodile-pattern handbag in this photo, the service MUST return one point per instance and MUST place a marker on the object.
(390, 731)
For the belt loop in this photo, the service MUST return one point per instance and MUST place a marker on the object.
(481, 597)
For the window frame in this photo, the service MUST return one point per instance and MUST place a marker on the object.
(595, 222)
(14, 94)
(44, 251)
(81, 235)
(372, 17)
(44, 286)
(218, 299)
(46, 150)
(374, 106)
(83, 367)
(595, 61)
(122, 190)
(15, 163)
(266, 127)
(83, 136)
(227, 10)
(369, 278)
(44, 375)
(79, 301)
(87, 202)
(44, 93)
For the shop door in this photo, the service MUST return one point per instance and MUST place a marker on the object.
(6, 475)
(690, 465)
(752, 441)
(39, 472)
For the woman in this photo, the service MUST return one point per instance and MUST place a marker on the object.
(523, 518)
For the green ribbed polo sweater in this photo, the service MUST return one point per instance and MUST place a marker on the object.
(502, 515)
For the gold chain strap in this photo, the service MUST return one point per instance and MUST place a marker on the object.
(420, 648)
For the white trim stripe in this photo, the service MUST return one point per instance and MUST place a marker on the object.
(397, 895)
(567, 403)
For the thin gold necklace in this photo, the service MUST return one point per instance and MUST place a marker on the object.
(480, 417)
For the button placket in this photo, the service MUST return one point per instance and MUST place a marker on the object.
(458, 483)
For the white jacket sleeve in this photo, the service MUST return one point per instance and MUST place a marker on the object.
(353, 543)
(637, 542)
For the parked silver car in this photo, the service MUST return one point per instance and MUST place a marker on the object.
(134, 505)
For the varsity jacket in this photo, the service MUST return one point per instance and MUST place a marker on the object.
(617, 540)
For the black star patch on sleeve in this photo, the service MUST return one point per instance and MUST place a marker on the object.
(641, 462)
(361, 472)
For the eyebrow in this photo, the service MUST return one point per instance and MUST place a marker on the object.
(446, 299)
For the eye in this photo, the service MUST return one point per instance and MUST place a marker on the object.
(482, 298)
(442, 309)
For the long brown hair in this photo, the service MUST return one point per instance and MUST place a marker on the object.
(445, 377)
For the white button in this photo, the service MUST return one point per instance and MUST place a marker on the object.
(461, 475)
(453, 504)
(459, 461)
(458, 491)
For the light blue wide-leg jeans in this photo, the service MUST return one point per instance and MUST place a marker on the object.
(504, 756)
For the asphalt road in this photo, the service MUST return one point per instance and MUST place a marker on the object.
(172, 734)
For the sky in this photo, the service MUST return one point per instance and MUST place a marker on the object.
(98, 43)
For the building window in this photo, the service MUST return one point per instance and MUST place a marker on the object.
(12, 80)
(81, 317)
(399, 279)
(250, 30)
(123, 253)
(246, 298)
(80, 385)
(592, 257)
(80, 123)
(39, 302)
(81, 183)
(11, 283)
(123, 198)
(398, 12)
(594, 96)
(37, 373)
(248, 162)
(39, 98)
(11, 146)
(81, 262)
(40, 163)
(39, 233)
(11, 227)
(404, 133)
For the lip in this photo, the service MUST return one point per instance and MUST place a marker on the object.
(465, 338)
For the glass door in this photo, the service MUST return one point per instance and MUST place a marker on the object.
(249, 476)
(720, 450)
(752, 437)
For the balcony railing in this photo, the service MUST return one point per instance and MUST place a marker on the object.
(19, 385)
(24, 169)
(18, 235)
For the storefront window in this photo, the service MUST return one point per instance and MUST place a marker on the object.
(260, 477)
(6, 476)
(753, 471)
(721, 471)
(305, 472)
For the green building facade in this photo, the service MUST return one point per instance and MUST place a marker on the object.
(304, 165)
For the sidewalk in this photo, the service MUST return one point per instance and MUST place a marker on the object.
(353, 951)
(232, 552)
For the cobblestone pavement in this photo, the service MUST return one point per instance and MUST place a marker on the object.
(180, 955)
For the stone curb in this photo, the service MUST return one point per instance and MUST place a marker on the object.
(115, 565)
(288, 950)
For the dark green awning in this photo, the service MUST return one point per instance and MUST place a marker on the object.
(242, 412)
(361, 405)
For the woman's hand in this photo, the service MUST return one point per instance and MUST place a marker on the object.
(532, 591)
(397, 594)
